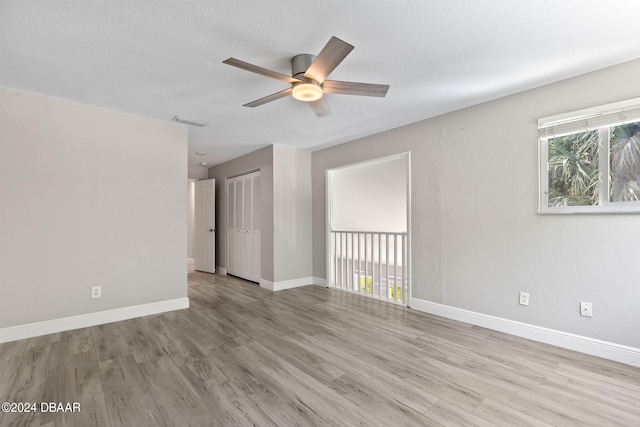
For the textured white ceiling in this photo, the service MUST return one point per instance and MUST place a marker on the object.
(164, 58)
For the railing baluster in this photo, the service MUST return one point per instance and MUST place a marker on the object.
(398, 281)
(353, 261)
(338, 284)
(379, 264)
(342, 259)
(395, 266)
(386, 265)
(405, 296)
(334, 260)
(366, 261)
(346, 259)
(353, 264)
(341, 266)
(366, 265)
(401, 297)
(370, 260)
(374, 271)
(360, 255)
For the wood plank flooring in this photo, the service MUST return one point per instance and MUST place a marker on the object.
(309, 356)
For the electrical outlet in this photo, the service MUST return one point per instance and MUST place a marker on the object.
(586, 309)
(524, 298)
(96, 291)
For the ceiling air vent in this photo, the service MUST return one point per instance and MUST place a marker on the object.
(191, 122)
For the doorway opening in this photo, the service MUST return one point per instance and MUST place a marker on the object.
(369, 228)
(191, 218)
(204, 225)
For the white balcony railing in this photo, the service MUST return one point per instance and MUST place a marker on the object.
(371, 263)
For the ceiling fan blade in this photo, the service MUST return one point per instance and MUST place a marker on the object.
(259, 70)
(320, 108)
(269, 98)
(353, 88)
(328, 59)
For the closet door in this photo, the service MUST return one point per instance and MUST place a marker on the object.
(255, 226)
(243, 222)
(231, 227)
(239, 215)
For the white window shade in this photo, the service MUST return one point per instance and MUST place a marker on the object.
(588, 119)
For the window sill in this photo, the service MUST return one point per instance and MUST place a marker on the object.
(628, 208)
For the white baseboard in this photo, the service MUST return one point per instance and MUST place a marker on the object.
(286, 284)
(266, 284)
(222, 271)
(319, 281)
(607, 350)
(29, 330)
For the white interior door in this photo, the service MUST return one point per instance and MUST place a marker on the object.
(205, 223)
(254, 229)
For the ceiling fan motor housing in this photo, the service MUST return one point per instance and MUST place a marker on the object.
(308, 89)
(300, 64)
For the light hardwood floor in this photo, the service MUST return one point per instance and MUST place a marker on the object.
(308, 356)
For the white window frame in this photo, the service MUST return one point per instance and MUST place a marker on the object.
(600, 118)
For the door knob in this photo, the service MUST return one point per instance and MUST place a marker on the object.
(211, 230)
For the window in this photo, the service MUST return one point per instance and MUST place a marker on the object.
(590, 160)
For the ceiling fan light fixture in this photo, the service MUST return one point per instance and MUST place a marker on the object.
(307, 91)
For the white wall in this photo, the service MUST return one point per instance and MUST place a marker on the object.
(88, 197)
(477, 237)
(370, 197)
(292, 213)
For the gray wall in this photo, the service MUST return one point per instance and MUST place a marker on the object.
(197, 172)
(477, 237)
(88, 197)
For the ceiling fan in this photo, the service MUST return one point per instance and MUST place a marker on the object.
(308, 78)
